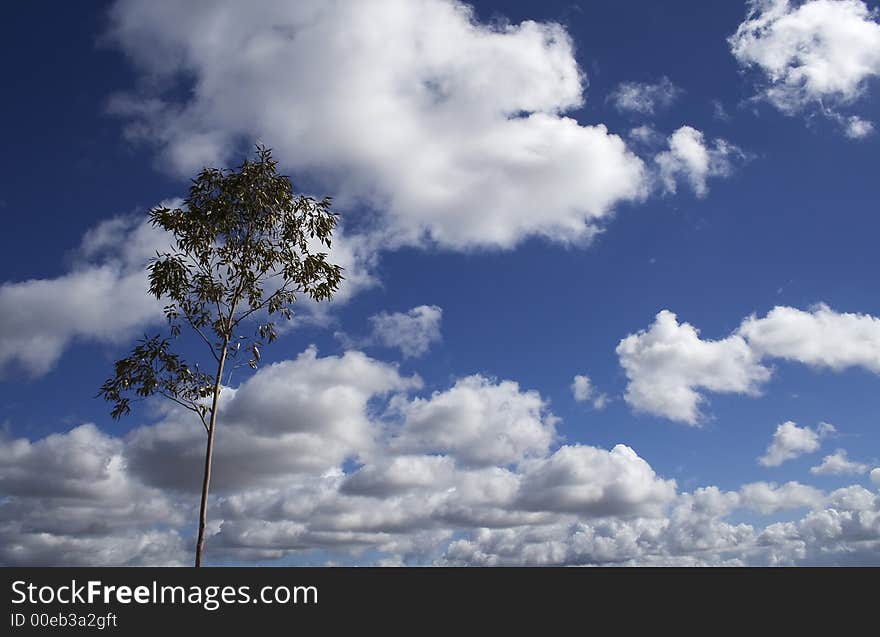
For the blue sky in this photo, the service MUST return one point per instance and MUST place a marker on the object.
(467, 158)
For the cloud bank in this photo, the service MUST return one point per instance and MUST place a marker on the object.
(337, 456)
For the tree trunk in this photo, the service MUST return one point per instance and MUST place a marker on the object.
(209, 452)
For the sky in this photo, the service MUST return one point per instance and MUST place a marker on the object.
(610, 295)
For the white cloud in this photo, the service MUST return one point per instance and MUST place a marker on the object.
(818, 52)
(667, 364)
(69, 499)
(820, 337)
(845, 533)
(412, 332)
(306, 415)
(87, 497)
(695, 532)
(412, 107)
(594, 482)
(581, 388)
(644, 98)
(790, 441)
(103, 298)
(401, 474)
(768, 497)
(838, 464)
(875, 477)
(478, 422)
(691, 159)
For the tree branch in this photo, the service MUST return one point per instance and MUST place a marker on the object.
(262, 305)
(204, 338)
(185, 406)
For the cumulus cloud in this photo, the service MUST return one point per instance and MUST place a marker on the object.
(401, 474)
(88, 497)
(692, 160)
(581, 388)
(644, 98)
(818, 53)
(844, 533)
(414, 108)
(768, 497)
(668, 364)
(875, 477)
(820, 337)
(595, 482)
(477, 455)
(103, 298)
(695, 532)
(70, 499)
(837, 464)
(412, 332)
(478, 422)
(790, 441)
(304, 415)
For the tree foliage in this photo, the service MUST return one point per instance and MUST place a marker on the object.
(243, 246)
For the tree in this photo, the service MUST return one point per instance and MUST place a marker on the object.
(242, 248)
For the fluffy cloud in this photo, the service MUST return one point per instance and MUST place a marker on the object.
(768, 497)
(414, 108)
(820, 337)
(595, 482)
(412, 332)
(817, 52)
(669, 363)
(478, 422)
(401, 474)
(692, 160)
(581, 388)
(279, 487)
(69, 499)
(875, 477)
(87, 497)
(838, 464)
(644, 98)
(306, 415)
(103, 298)
(695, 532)
(790, 441)
(847, 532)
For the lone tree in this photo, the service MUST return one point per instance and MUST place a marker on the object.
(242, 248)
